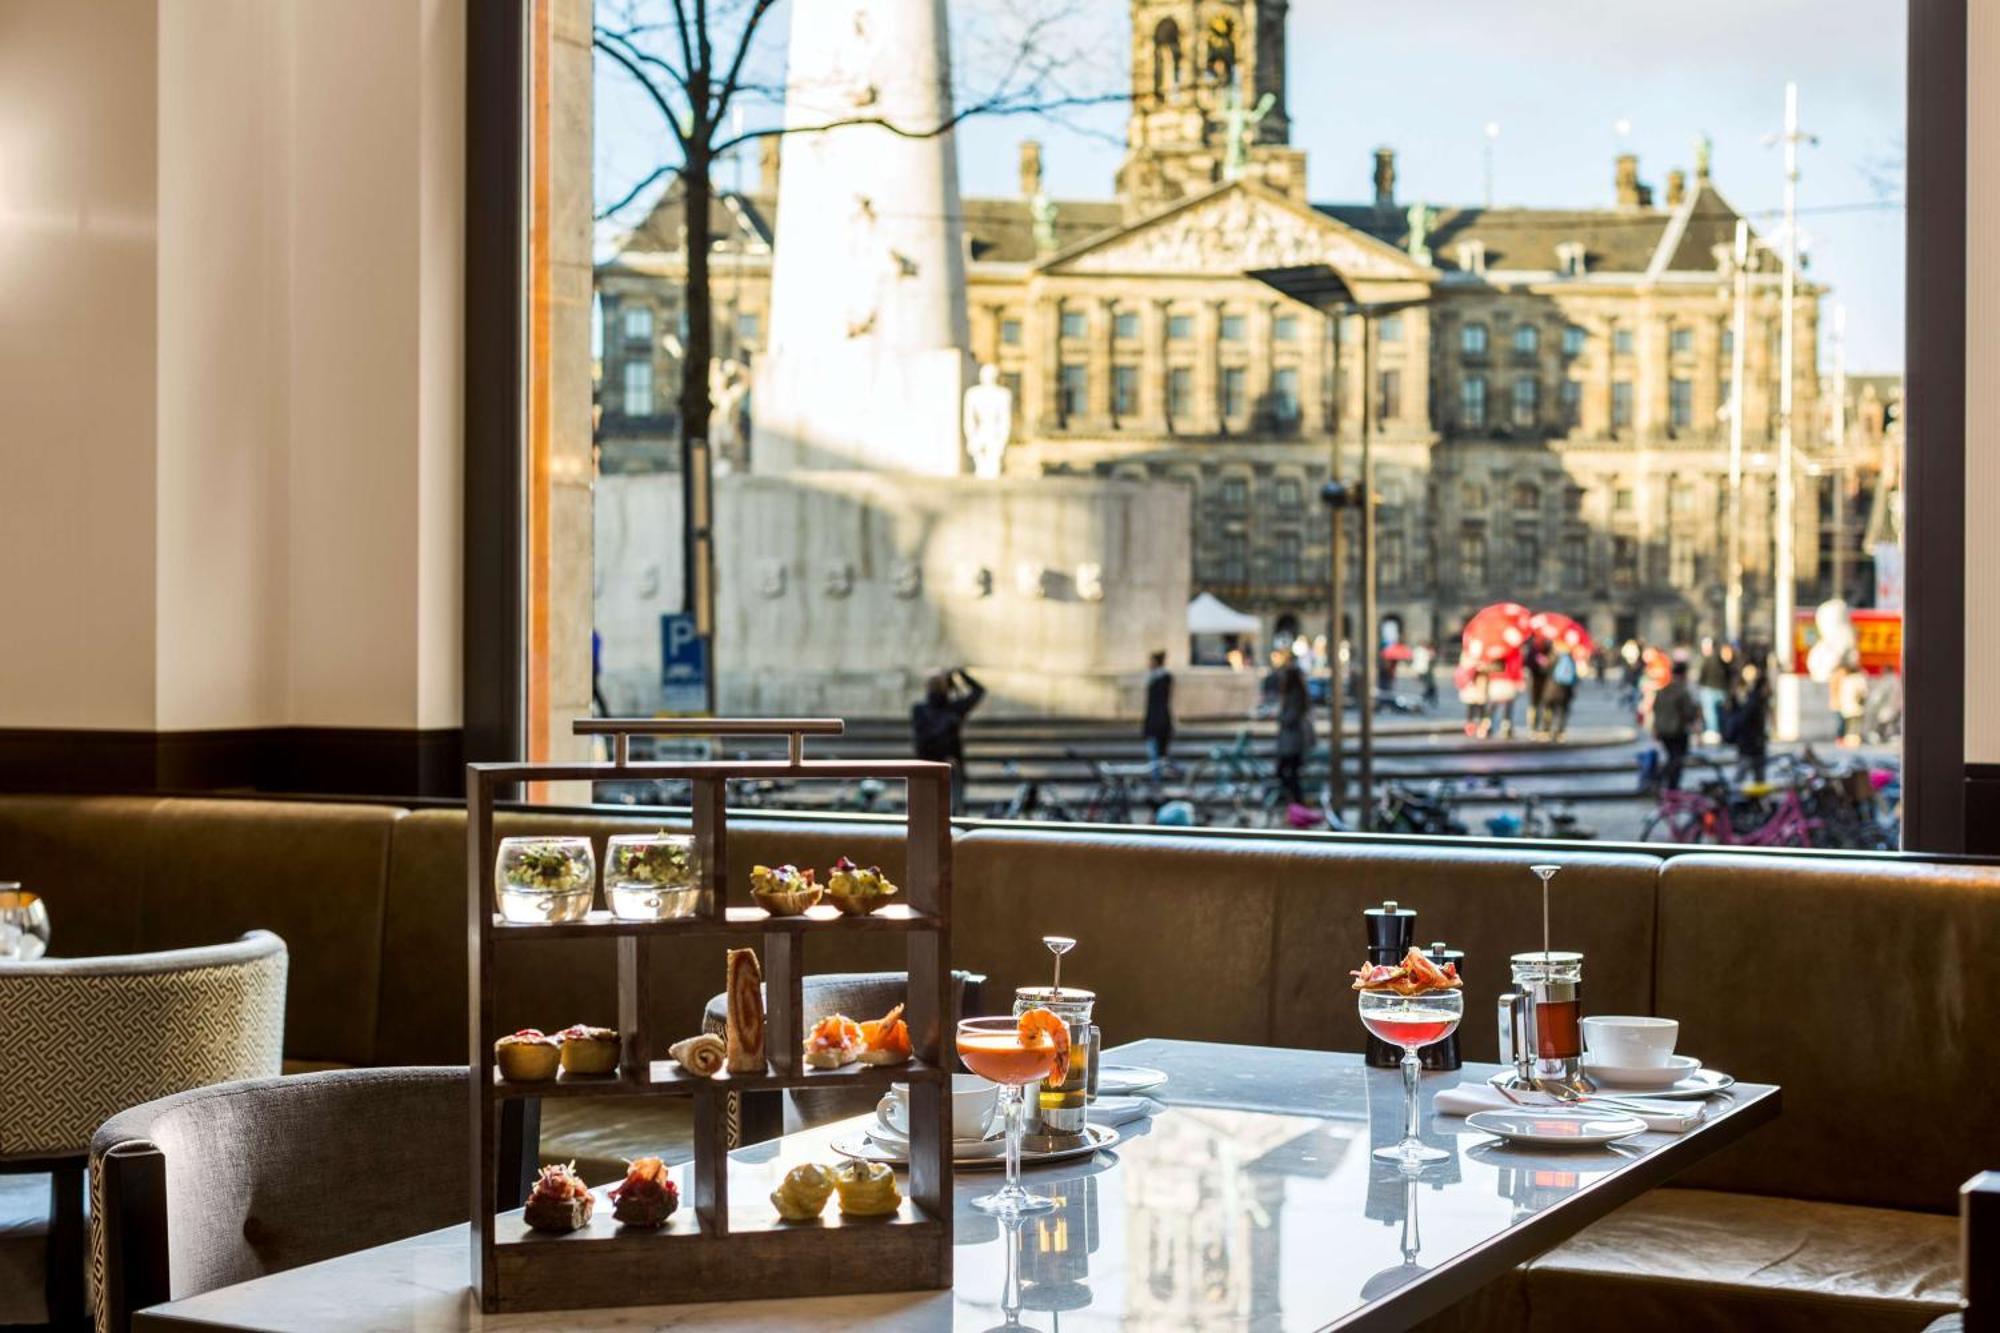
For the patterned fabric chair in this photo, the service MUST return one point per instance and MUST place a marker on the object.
(82, 1039)
(228, 1183)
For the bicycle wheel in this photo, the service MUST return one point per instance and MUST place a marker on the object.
(1666, 826)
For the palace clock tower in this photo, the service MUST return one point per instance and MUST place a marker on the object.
(1208, 102)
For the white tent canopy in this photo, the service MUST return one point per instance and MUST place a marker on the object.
(1209, 614)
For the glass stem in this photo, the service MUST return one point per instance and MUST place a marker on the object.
(1010, 1101)
(1411, 1069)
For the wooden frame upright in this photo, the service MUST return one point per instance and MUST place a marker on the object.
(715, 1248)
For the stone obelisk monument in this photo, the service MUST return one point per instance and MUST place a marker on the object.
(867, 360)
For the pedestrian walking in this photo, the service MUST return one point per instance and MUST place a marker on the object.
(1535, 662)
(1634, 658)
(1559, 692)
(937, 724)
(1747, 725)
(1295, 727)
(1675, 715)
(1471, 679)
(1711, 684)
(1501, 691)
(1158, 725)
(1424, 661)
(1850, 693)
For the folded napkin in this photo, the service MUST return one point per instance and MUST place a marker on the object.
(1122, 1110)
(1667, 1117)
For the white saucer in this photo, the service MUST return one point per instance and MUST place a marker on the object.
(864, 1144)
(1124, 1080)
(1559, 1129)
(1640, 1078)
(1698, 1083)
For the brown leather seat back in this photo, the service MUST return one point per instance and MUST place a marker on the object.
(129, 874)
(1246, 939)
(86, 856)
(551, 984)
(1867, 990)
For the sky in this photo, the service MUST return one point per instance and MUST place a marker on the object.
(1569, 83)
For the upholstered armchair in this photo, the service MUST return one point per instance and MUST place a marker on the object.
(81, 1040)
(227, 1183)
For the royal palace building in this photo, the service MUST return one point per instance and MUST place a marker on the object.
(1550, 416)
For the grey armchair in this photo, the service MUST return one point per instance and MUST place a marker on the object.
(228, 1183)
(82, 1039)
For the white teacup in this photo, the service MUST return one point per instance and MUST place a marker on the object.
(1630, 1041)
(974, 1104)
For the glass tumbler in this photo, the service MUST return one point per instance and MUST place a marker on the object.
(652, 877)
(1056, 1116)
(545, 879)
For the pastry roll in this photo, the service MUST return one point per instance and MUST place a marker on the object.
(744, 987)
(701, 1055)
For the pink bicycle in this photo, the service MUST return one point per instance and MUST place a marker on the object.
(1717, 813)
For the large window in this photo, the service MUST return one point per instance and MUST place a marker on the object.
(1125, 390)
(1472, 402)
(1285, 393)
(1180, 393)
(1235, 398)
(1527, 401)
(1075, 389)
(1551, 402)
(638, 388)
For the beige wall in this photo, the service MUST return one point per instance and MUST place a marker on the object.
(77, 363)
(230, 276)
(1982, 389)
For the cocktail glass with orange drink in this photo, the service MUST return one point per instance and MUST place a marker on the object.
(1016, 1053)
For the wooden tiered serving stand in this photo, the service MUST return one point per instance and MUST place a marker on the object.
(716, 1248)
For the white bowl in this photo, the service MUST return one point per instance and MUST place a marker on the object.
(1630, 1041)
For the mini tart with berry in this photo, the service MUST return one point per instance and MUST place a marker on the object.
(559, 1203)
(528, 1056)
(857, 891)
(589, 1050)
(784, 890)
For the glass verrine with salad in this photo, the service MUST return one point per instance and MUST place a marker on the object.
(1410, 1004)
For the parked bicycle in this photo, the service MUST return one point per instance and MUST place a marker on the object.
(1032, 800)
(1715, 812)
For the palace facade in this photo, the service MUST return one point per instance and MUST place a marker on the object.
(1550, 415)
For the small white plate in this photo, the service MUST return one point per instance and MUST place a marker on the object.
(1125, 1080)
(862, 1143)
(1122, 1110)
(1556, 1129)
(1640, 1078)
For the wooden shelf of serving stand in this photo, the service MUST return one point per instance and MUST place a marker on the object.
(713, 1248)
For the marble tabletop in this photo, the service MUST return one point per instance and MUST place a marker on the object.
(1250, 1202)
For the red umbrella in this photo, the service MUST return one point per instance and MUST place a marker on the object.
(1559, 628)
(1397, 652)
(1495, 631)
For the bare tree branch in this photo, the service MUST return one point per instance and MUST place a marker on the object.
(652, 90)
(981, 109)
(743, 45)
(611, 210)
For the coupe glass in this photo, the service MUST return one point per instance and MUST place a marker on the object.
(992, 1049)
(24, 924)
(1411, 1022)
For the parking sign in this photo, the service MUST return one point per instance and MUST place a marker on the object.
(683, 666)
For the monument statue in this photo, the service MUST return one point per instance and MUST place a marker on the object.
(1043, 210)
(1240, 130)
(989, 422)
(1420, 217)
(728, 392)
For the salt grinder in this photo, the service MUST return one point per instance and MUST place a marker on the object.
(1443, 1054)
(1392, 929)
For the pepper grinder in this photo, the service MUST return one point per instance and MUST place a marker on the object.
(1392, 929)
(1443, 1054)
